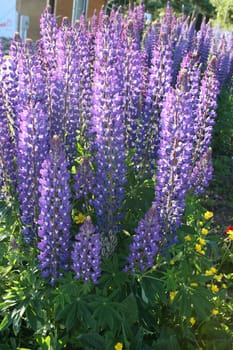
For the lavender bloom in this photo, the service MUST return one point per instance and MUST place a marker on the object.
(203, 124)
(159, 83)
(108, 146)
(135, 84)
(84, 181)
(223, 63)
(203, 43)
(145, 243)
(54, 215)
(86, 254)
(32, 148)
(175, 154)
(10, 89)
(48, 30)
(7, 149)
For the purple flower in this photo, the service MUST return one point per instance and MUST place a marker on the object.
(175, 156)
(32, 149)
(84, 181)
(160, 79)
(86, 254)
(205, 115)
(54, 213)
(145, 245)
(108, 143)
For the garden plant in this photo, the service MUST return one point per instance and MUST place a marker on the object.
(108, 234)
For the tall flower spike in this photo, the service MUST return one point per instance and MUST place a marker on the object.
(84, 181)
(86, 254)
(203, 124)
(160, 79)
(32, 149)
(7, 146)
(108, 147)
(33, 137)
(175, 154)
(145, 243)
(54, 216)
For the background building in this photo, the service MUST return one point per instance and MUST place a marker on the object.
(29, 12)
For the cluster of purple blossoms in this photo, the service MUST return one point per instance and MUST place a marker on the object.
(145, 245)
(205, 115)
(120, 95)
(108, 142)
(174, 156)
(54, 213)
(86, 254)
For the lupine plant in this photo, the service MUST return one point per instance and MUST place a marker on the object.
(106, 130)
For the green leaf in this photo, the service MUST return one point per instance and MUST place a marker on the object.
(92, 339)
(130, 309)
(167, 340)
(107, 317)
(6, 321)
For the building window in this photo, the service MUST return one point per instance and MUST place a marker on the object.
(79, 7)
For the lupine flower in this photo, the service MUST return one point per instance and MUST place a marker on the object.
(84, 181)
(203, 43)
(108, 143)
(33, 137)
(86, 254)
(159, 84)
(7, 150)
(175, 154)
(203, 125)
(54, 214)
(145, 245)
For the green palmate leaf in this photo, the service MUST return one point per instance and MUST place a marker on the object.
(130, 309)
(93, 340)
(167, 340)
(152, 289)
(107, 316)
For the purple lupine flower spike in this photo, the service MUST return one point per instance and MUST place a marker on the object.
(86, 254)
(108, 145)
(7, 149)
(145, 245)
(175, 155)
(84, 181)
(54, 214)
(160, 80)
(203, 124)
(32, 148)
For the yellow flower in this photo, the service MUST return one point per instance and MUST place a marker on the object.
(118, 346)
(199, 249)
(208, 215)
(192, 321)
(201, 241)
(224, 285)
(218, 277)
(187, 238)
(215, 312)
(172, 262)
(79, 219)
(194, 284)
(230, 234)
(204, 231)
(214, 288)
(172, 295)
(201, 223)
(211, 271)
